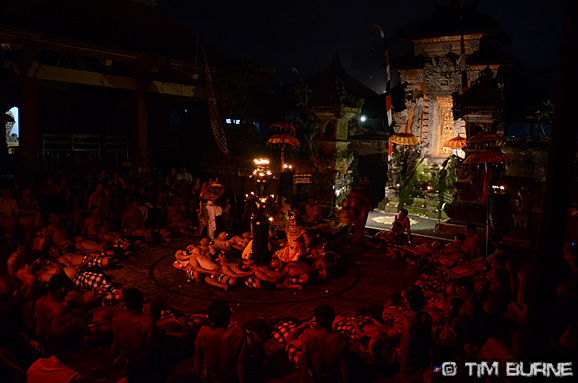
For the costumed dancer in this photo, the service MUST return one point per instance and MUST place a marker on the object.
(210, 192)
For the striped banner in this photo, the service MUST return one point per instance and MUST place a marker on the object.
(217, 122)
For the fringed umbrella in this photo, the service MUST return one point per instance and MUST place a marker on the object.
(406, 139)
(487, 156)
(455, 143)
(284, 126)
(283, 139)
(486, 139)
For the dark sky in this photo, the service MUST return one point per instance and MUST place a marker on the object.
(305, 33)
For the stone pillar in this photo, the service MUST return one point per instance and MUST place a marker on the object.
(139, 136)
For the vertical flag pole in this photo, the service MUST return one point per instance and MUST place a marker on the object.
(388, 83)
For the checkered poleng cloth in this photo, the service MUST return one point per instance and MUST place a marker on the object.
(95, 281)
(92, 281)
(112, 299)
(353, 205)
(253, 282)
(221, 278)
(344, 326)
(282, 330)
(180, 265)
(121, 243)
(101, 260)
(294, 354)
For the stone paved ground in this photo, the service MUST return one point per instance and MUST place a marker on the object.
(370, 280)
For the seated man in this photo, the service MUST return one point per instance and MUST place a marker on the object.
(179, 223)
(453, 253)
(379, 340)
(133, 224)
(64, 340)
(133, 339)
(220, 349)
(403, 219)
(90, 223)
(322, 350)
(388, 241)
(50, 306)
(472, 241)
(393, 235)
(56, 233)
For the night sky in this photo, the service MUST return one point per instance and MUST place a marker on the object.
(305, 33)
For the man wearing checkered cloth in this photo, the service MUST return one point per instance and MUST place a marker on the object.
(99, 284)
(355, 209)
(322, 350)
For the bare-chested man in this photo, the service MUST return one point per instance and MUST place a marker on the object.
(239, 243)
(133, 220)
(232, 269)
(51, 306)
(20, 264)
(322, 349)
(221, 242)
(87, 246)
(56, 232)
(90, 223)
(133, 334)
(299, 273)
(266, 278)
(220, 350)
(403, 219)
(202, 268)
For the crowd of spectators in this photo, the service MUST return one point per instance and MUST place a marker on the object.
(56, 297)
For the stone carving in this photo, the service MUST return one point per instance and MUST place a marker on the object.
(442, 76)
(446, 47)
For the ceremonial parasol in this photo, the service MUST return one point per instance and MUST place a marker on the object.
(284, 126)
(455, 143)
(283, 139)
(486, 139)
(407, 139)
(487, 156)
